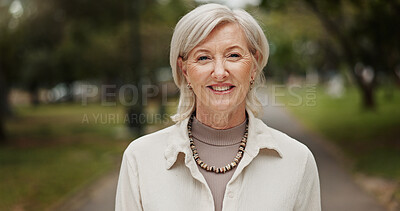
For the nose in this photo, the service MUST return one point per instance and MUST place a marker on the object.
(220, 72)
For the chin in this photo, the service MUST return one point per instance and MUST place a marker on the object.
(224, 107)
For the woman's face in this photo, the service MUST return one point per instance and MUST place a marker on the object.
(219, 70)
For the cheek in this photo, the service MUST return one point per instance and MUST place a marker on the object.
(198, 74)
(240, 71)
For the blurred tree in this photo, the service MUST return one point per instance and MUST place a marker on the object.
(3, 105)
(295, 47)
(10, 51)
(134, 112)
(45, 42)
(158, 22)
(366, 33)
(41, 32)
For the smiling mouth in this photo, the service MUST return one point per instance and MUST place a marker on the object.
(220, 88)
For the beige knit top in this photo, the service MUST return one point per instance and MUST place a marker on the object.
(217, 148)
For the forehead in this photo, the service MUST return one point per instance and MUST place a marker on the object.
(225, 33)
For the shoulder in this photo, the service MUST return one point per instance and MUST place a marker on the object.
(150, 143)
(288, 144)
(295, 154)
(289, 147)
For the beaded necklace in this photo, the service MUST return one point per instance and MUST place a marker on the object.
(214, 169)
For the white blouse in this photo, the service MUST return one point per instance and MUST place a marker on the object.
(276, 173)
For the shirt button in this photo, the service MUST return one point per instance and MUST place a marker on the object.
(231, 194)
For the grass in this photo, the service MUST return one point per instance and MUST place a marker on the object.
(370, 138)
(55, 150)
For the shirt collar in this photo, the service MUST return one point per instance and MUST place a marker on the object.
(260, 138)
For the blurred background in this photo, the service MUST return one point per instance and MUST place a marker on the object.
(81, 79)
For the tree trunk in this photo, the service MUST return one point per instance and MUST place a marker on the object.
(4, 108)
(34, 95)
(332, 27)
(136, 120)
(2, 129)
(368, 97)
(396, 75)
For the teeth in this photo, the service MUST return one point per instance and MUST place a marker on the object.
(220, 88)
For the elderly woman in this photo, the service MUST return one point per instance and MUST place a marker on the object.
(218, 155)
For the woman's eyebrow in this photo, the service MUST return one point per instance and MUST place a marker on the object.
(234, 47)
(200, 50)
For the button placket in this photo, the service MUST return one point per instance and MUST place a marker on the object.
(229, 198)
(231, 194)
(195, 172)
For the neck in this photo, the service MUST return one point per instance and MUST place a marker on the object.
(221, 120)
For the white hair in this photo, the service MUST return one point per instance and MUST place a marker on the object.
(193, 28)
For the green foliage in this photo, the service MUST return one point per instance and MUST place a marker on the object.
(293, 35)
(62, 41)
(167, 12)
(366, 27)
(358, 33)
(298, 41)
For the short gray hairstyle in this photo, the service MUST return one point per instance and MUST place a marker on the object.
(193, 28)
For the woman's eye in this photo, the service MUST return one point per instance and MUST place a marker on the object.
(235, 55)
(202, 58)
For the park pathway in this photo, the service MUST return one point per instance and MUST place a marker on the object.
(338, 191)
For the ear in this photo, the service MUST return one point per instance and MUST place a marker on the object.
(182, 67)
